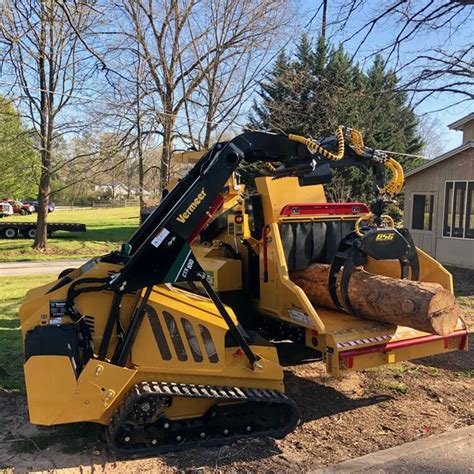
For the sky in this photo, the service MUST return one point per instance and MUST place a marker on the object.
(304, 11)
(381, 35)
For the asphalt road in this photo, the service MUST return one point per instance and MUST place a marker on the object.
(46, 267)
(451, 452)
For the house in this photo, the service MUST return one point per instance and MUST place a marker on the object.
(439, 202)
(118, 191)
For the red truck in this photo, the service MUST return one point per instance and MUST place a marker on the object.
(19, 207)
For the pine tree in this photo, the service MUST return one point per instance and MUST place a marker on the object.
(320, 88)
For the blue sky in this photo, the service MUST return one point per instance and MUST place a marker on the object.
(382, 35)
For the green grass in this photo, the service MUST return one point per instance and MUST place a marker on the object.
(399, 388)
(12, 292)
(71, 438)
(106, 230)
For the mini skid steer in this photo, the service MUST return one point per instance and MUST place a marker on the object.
(145, 340)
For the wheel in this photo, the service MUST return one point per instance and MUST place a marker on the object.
(31, 232)
(23, 212)
(10, 232)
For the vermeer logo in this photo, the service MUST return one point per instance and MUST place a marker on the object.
(184, 216)
(384, 237)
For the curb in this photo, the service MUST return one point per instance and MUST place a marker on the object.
(397, 459)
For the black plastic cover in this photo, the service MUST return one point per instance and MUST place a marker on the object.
(312, 242)
(60, 340)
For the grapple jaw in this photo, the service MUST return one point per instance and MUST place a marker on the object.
(378, 243)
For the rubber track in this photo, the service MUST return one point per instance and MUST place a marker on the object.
(165, 390)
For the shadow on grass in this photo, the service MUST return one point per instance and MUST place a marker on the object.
(101, 234)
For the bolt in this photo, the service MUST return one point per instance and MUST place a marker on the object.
(126, 439)
(154, 441)
(166, 425)
(226, 432)
(178, 438)
(249, 428)
(203, 435)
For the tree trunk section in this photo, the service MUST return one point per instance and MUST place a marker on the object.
(168, 131)
(427, 307)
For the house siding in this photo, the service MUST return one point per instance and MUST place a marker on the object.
(460, 167)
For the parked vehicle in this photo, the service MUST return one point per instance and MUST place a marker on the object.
(20, 207)
(51, 205)
(5, 209)
(11, 230)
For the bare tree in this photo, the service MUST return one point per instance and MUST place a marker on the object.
(45, 59)
(428, 42)
(181, 46)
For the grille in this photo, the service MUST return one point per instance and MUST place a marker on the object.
(175, 336)
(158, 333)
(208, 344)
(192, 340)
(89, 320)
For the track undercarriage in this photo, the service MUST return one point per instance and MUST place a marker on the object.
(140, 426)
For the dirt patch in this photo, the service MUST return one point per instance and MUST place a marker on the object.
(342, 418)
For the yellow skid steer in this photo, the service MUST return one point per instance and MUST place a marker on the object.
(142, 341)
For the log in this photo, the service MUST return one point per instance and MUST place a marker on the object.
(427, 307)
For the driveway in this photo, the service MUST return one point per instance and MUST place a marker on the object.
(45, 267)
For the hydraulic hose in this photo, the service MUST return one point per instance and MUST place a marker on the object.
(313, 146)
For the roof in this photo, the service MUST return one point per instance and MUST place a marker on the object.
(439, 159)
(458, 124)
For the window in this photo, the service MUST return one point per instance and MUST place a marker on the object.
(458, 209)
(422, 218)
(470, 211)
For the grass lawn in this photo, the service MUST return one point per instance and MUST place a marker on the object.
(106, 230)
(12, 292)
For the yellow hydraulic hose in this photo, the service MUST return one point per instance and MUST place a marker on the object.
(319, 149)
(396, 183)
(393, 187)
(357, 141)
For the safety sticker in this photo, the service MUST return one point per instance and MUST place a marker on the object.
(299, 316)
(359, 342)
(57, 308)
(158, 240)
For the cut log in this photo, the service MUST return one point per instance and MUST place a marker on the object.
(423, 306)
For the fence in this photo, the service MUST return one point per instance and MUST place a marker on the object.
(100, 205)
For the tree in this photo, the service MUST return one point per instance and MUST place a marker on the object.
(185, 46)
(20, 164)
(43, 54)
(443, 65)
(317, 90)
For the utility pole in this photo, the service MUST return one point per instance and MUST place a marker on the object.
(324, 20)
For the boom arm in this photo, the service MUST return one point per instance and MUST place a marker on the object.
(160, 251)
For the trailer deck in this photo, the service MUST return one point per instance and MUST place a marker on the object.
(11, 230)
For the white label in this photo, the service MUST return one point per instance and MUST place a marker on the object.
(158, 240)
(55, 321)
(299, 316)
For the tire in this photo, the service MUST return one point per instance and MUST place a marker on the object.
(10, 233)
(31, 233)
(23, 212)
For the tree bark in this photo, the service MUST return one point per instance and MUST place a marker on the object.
(423, 306)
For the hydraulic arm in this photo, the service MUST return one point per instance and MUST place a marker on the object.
(120, 342)
(160, 250)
